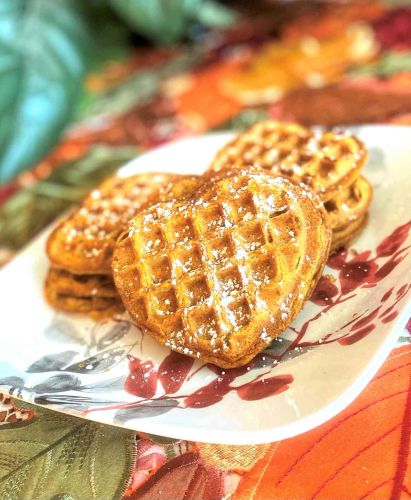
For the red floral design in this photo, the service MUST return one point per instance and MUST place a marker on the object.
(173, 371)
(142, 379)
(324, 292)
(150, 456)
(264, 388)
(186, 477)
(10, 413)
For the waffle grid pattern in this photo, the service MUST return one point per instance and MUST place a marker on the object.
(83, 243)
(173, 257)
(320, 161)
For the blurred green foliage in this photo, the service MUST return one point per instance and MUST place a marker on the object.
(388, 64)
(27, 212)
(43, 53)
(45, 50)
(169, 20)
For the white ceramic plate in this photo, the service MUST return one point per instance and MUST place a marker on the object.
(110, 373)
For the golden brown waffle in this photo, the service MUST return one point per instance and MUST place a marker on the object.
(347, 207)
(83, 243)
(325, 162)
(218, 275)
(181, 187)
(91, 304)
(81, 285)
(345, 234)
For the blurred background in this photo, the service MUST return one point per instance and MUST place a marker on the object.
(86, 86)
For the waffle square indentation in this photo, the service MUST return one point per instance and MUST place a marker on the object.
(196, 290)
(175, 326)
(343, 150)
(240, 313)
(252, 236)
(308, 180)
(287, 170)
(160, 268)
(204, 323)
(283, 152)
(244, 206)
(153, 240)
(284, 228)
(330, 206)
(165, 301)
(187, 258)
(263, 268)
(213, 218)
(182, 229)
(230, 280)
(139, 308)
(325, 166)
(304, 157)
(221, 248)
(130, 277)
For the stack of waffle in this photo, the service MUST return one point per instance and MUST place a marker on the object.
(328, 163)
(215, 266)
(80, 248)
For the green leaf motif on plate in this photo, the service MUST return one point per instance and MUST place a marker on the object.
(59, 456)
(43, 51)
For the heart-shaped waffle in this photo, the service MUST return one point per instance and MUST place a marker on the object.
(325, 162)
(219, 274)
(83, 243)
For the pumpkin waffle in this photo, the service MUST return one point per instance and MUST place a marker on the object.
(347, 211)
(89, 303)
(83, 242)
(345, 234)
(82, 285)
(182, 187)
(325, 162)
(219, 274)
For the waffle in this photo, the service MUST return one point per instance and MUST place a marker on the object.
(83, 243)
(182, 187)
(90, 304)
(326, 162)
(345, 234)
(82, 285)
(347, 209)
(218, 275)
